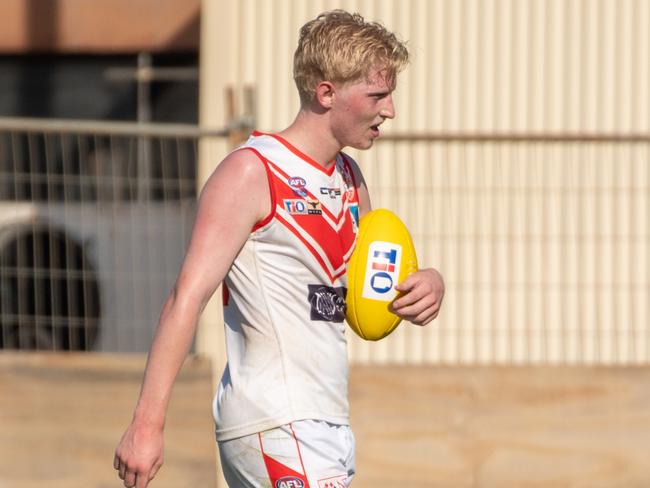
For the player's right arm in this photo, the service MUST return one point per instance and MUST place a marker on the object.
(233, 200)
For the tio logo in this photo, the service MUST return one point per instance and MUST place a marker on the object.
(295, 206)
(382, 271)
(289, 482)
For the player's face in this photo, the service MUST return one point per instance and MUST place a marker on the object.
(359, 109)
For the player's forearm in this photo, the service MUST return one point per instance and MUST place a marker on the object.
(168, 352)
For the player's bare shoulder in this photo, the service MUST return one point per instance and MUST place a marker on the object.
(241, 180)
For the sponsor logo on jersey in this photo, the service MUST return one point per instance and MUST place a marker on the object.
(289, 482)
(313, 207)
(298, 185)
(333, 482)
(349, 182)
(332, 192)
(327, 302)
(382, 271)
(354, 212)
(295, 206)
(299, 206)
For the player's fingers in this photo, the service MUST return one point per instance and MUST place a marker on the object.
(421, 316)
(427, 316)
(154, 470)
(409, 298)
(409, 282)
(122, 470)
(130, 479)
(414, 305)
(143, 480)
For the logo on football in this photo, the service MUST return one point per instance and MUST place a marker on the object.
(382, 271)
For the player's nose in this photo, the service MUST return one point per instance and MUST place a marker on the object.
(388, 110)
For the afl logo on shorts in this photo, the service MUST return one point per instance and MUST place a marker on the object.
(289, 482)
(382, 271)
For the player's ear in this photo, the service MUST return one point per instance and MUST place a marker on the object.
(325, 94)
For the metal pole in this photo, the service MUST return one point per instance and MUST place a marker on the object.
(144, 117)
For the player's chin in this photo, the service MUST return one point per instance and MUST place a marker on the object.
(365, 143)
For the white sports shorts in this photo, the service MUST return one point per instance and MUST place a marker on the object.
(302, 454)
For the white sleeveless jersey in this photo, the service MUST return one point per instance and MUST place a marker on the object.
(285, 309)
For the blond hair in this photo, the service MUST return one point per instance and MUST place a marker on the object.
(341, 47)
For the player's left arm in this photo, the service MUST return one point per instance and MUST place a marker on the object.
(422, 292)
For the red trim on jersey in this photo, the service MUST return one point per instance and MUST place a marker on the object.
(311, 249)
(348, 237)
(269, 175)
(285, 183)
(299, 153)
(348, 165)
(334, 241)
(225, 294)
(334, 238)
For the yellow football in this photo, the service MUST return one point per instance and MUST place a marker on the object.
(383, 257)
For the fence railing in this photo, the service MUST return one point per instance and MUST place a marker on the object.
(94, 220)
(543, 239)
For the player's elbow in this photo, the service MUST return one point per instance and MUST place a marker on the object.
(188, 300)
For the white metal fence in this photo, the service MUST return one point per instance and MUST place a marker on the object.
(543, 241)
(94, 219)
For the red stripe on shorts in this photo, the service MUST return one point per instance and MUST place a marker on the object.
(280, 475)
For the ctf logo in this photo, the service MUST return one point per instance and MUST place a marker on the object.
(332, 192)
(382, 271)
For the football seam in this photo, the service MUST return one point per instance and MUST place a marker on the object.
(356, 284)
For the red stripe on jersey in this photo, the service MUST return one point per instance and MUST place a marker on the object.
(284, 183)
(298, 447)
(312, 250)
(269, 176)
(314, 225)
(335, 244)
(348, 165)
(225, 294)
(347, 235)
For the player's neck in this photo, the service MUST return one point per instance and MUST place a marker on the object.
(310, 135)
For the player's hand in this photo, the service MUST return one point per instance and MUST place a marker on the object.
(139, 455)
(421, 297)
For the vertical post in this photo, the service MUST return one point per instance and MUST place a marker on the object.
(217, 65)
(143, 77)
